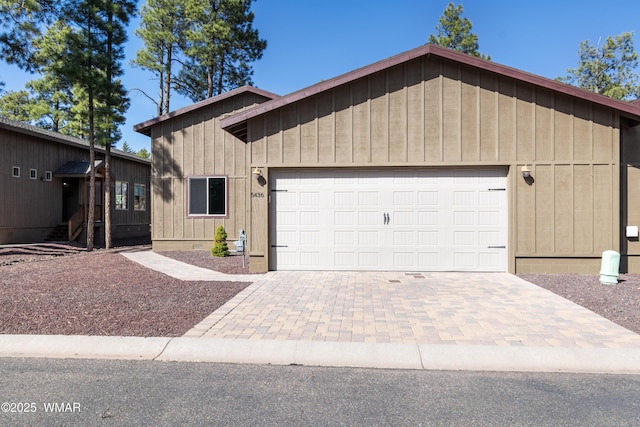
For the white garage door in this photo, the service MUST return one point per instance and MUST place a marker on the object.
(392, 219)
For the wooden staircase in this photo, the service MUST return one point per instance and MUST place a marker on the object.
(59, 234)
(67, 231)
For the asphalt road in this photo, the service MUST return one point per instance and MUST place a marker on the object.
(116, 393)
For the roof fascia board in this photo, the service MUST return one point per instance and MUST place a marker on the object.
(144, 127)
(633, 110)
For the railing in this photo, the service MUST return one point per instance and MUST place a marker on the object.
(75, 224)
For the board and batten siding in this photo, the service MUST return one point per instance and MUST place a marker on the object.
(130, 221)
(194, 144)
(30, 208)
(432, 112)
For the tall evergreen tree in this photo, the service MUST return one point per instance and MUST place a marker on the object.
(161, 29)
(115, 98)
(221, 46)
(607, 69)
(454, 32)
(198, 48)
(16, 105)
(92, 50)
(20, 25)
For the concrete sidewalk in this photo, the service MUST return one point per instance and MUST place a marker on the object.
(458, 321)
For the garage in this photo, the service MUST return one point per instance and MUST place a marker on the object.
(427, 219)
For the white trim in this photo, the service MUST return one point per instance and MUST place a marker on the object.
(15, 171)
(33, 173)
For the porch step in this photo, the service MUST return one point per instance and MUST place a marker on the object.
(58, 234)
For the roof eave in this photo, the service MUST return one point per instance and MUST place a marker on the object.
(235, 120)
(145, 127)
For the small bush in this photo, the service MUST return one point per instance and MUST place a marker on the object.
(220, 247)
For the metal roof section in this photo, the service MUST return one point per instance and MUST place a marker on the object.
(236, 123)
(145, 127)
(76, 169)
(28, 129)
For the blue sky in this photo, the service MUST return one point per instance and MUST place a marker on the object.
(310, 41)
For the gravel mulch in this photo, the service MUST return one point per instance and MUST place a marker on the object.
(74, 292)
(619, 303)
(62, 289)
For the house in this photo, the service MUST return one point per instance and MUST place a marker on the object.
(431, 160)
(44, 179)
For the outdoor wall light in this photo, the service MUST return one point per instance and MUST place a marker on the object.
(257, 172)
(526, 172)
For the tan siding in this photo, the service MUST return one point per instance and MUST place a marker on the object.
(343, 127)
(489, 99)
(258, 130)
(326, 128)
(361, 122)
(525, 217)
(397, 116)
(507, 119)
(544, 125)
(193, 144)
(415, 111)
(583, 210)
(603, 192)
(433, 114)
(563, 209)
(603, 137)
(291, 135)
(209, 151)
(379, 104)
(544, 209)
(451, 107)
(525, 124)
(563, 129)
(470, 116)
(274, 135)
(582, 144)
(308, 132)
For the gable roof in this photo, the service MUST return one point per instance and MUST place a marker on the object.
(27, 129)
(236, 123)
(145, 127)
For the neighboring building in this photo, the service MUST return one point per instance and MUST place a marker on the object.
(44, 179)
(414, 163)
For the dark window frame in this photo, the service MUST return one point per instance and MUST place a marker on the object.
(202, 206)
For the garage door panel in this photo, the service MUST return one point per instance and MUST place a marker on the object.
(410, 219)
(369, 260)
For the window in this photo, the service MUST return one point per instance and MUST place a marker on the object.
(208, 196)
(15, 172)
(48, 175)
(33, 174)
(121, 196)
(139, 197)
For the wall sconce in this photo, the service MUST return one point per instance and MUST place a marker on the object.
(526, 172)
(257, 172)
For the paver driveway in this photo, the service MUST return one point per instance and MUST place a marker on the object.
(496, 309)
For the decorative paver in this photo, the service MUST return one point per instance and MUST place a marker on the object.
(426, 308)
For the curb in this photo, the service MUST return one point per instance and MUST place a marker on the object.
(81, 347)
(328, 354)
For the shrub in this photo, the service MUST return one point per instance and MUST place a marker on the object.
(220, 247)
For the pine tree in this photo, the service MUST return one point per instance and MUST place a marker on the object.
(454, 32)
(220, 48)
(162, 27)
(86, 58)
(607, 69)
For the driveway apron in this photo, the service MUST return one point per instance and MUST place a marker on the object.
(495, 309)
